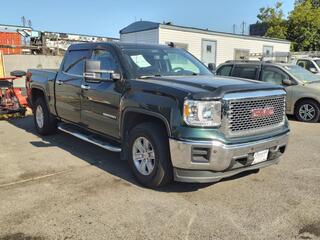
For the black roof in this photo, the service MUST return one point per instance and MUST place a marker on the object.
(78, 46)
(139, 26)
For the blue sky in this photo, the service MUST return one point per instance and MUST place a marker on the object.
(106, 18)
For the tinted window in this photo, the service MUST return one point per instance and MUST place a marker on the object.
(225, 70)
(272, 75)
(249, 72)
(107, 61)
(306, 64)
(74, 62)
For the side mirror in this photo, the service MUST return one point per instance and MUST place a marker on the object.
(287, 82)
(18, 73)
(94, 73)
(313, 70)
(212, 67)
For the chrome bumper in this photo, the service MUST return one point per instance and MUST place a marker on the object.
(222, 160)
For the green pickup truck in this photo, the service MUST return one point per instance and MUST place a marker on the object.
(163, 110)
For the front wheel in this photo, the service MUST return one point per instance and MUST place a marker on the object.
(149, 155)
(307, 111)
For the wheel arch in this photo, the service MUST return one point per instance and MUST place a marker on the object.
(36, 93)
(133, 116)
(305, 99)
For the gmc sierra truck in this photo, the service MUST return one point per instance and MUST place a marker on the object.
(163, 110)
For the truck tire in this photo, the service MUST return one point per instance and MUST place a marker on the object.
(44, 121)
(307, 111)
(149, 155)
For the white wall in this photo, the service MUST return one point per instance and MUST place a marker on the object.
(149, 36)
(225, 44)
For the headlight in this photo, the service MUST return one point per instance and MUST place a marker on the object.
(202, 113)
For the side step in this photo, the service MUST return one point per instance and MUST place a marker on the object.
(88, 137)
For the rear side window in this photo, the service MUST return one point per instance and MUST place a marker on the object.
(249, 72)
(74, 62)
(225, 70)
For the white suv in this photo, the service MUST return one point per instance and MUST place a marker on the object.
(311, 64)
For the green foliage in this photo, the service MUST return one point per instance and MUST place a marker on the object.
(304, 26)
(273, 17)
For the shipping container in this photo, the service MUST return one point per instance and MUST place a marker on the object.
(10, 38)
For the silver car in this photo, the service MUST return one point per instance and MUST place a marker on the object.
(303, 87)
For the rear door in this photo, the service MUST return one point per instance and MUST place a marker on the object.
(100, 101)
(68, 82)
(209, 51)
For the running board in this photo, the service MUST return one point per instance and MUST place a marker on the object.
(88, 138)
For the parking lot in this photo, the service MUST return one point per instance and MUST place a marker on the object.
(59, 187)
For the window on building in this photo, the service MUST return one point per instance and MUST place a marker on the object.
(241, 54)
(179, 45)
(267, 51)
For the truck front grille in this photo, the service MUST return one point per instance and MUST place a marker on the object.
(253, 114)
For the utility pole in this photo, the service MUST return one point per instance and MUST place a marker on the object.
(23, 20)
(243, 26)
(234, 28)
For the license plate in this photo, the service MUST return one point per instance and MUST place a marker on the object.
(260, 156)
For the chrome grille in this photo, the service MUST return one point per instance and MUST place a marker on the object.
(240, 119)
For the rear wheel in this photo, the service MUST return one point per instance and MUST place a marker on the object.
(307, 111)
(149, 156)
(44, 122)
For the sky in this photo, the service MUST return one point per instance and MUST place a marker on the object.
(106, 18)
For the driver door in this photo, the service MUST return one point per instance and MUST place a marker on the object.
(277, 76)
(100, 100)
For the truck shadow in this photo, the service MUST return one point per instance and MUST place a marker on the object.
(98, 157)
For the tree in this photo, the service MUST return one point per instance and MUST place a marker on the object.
(315, 3)
(304, 26)
(273, 18)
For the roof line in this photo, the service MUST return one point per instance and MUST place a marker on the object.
(207, 31)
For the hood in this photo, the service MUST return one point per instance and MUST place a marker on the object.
(210, 87)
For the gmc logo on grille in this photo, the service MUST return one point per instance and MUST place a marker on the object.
(262, 112)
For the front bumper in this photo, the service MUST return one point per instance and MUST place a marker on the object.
(210, 161)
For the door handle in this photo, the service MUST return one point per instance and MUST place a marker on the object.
(59, 82)
(85, 87)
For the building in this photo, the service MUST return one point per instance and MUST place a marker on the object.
(25, 40)
(208, 46)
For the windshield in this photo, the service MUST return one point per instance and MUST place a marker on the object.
(317, 62)
(302, 74)
(158, 61)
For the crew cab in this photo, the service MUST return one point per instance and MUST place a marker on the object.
(163, 110)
